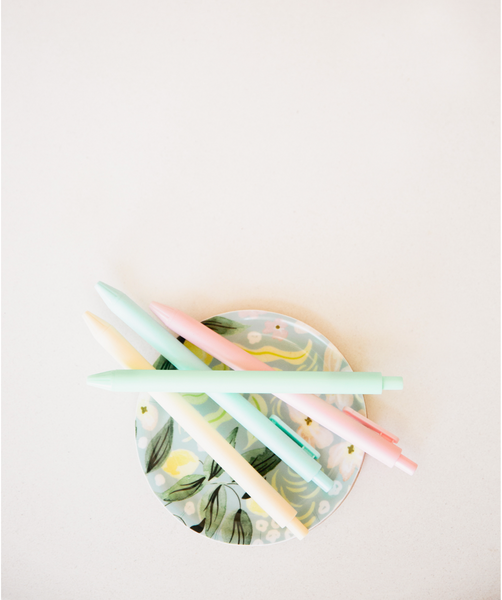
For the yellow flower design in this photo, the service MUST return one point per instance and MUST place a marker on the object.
(180, 463)
(269, 353)
(204, 356)
(255, 508)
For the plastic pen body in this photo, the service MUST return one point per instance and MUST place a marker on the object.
(365, 435)
(198, 428)
(259, 382)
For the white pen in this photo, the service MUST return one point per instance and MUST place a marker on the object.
(197, 427)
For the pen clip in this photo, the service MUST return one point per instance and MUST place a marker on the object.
(370, 425)
(295, 437)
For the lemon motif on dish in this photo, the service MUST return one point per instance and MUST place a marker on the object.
(255, 508)
(180, 463)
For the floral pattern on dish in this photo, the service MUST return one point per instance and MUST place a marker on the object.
(197, 491)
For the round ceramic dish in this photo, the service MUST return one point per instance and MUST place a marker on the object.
(194, 488)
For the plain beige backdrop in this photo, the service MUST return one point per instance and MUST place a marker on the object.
(334, 161)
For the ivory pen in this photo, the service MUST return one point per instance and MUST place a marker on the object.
(197, 427)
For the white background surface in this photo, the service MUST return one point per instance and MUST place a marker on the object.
(337, 162)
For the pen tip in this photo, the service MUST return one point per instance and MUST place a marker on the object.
(95, 324)
(158, 309)
(100, 380)
(105, 290)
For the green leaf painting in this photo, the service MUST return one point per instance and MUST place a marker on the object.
(218, 417)
(199, 528)
(259, 403)
(237, 528)
(214, 505)
(159, 447)
(262, 459)
(185, 488)
(212, 468)
(224, 326)
(162, 364)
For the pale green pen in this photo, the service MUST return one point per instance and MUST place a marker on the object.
(284, 442)
(258, 382)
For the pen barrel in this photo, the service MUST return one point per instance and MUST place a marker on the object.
(208, 340)
(259, 382)
(268, 433)
(227, 457)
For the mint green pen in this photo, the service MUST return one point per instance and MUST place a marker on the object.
(283, 441)
(258, 382)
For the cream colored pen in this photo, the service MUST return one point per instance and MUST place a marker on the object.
(197, 427)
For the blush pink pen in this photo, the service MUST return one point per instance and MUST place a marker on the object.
(347, 423)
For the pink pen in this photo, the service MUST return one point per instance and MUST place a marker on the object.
(348, 424)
